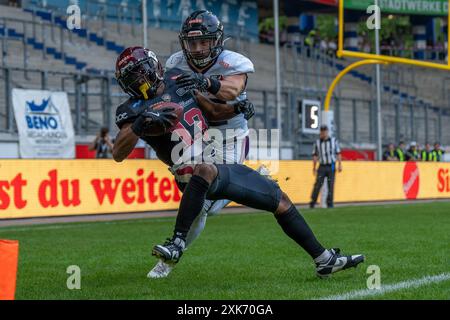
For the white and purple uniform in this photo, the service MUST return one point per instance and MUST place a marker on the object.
(236, 146)
(228, 63)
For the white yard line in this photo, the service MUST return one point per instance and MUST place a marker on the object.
(87, 223)
(413, 283)
(69, 225)
(147, 215)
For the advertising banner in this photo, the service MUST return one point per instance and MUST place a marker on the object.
(33, 188)
(44, 123)
(416, 7)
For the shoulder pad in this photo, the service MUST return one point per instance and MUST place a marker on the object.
(235, 62)
(174, 60)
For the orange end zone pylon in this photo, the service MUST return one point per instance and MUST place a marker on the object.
(9, 257)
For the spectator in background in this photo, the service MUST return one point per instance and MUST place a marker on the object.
(390, 154)
(102, 144)
(310, 42)
(400, 151)
(366, 45)
(412, 154)
(428, 154)
(324, 45)
(15, 3)
(332, 48)
(438, 152)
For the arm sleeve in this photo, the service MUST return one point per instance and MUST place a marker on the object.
(126, 113)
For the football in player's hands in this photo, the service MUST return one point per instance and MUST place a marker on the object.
(157, 120)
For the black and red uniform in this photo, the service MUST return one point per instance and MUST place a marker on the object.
(189, 127)
(235, 182)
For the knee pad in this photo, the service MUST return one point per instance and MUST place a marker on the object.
(206, 171)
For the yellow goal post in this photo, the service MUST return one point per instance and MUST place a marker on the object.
(352, 54)
(370, 58)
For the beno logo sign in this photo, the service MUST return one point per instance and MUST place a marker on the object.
(42, 116)
(411, 180)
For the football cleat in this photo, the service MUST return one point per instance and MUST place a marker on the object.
(171, 250)
(160, 270)
(337, 262)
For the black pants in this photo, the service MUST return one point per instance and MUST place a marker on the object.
(245, 186)
(324, 171)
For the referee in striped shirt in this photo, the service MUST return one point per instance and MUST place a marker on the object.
(326, 150)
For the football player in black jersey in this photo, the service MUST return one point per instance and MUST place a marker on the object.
(139, 73)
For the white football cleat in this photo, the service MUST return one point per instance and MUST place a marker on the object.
(161, 270)
(338, 262)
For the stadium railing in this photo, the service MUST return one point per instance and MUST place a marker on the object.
(307, 75)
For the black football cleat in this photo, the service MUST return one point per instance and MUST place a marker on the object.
(170, 251)
(338, 263)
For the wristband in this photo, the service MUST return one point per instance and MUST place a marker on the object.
(214, 86)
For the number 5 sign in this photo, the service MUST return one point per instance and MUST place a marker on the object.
(311, 116)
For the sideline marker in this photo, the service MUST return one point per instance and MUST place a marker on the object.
(9, 256)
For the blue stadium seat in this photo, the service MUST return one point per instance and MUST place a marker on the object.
(81, 32)
(13, 34)
(70, 60)
(80, 65)
(44, 15)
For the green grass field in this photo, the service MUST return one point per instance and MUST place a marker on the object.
(239, 256)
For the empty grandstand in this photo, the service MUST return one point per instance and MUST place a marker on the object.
(38, 51)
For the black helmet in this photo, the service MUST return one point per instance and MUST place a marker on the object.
(202, 25)
(138, 72)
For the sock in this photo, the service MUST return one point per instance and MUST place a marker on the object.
(191, 205)
(297, 229)
(324, 257)
(197, 227)
(180, 242)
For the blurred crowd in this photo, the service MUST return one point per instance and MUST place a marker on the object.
(413, 152)
(325, 44)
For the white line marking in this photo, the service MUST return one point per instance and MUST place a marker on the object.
(414, 283)
(75, 224)
(71, 225)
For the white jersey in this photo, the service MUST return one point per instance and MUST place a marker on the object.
(228, 63)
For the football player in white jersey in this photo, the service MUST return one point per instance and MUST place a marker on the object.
(222, 75)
